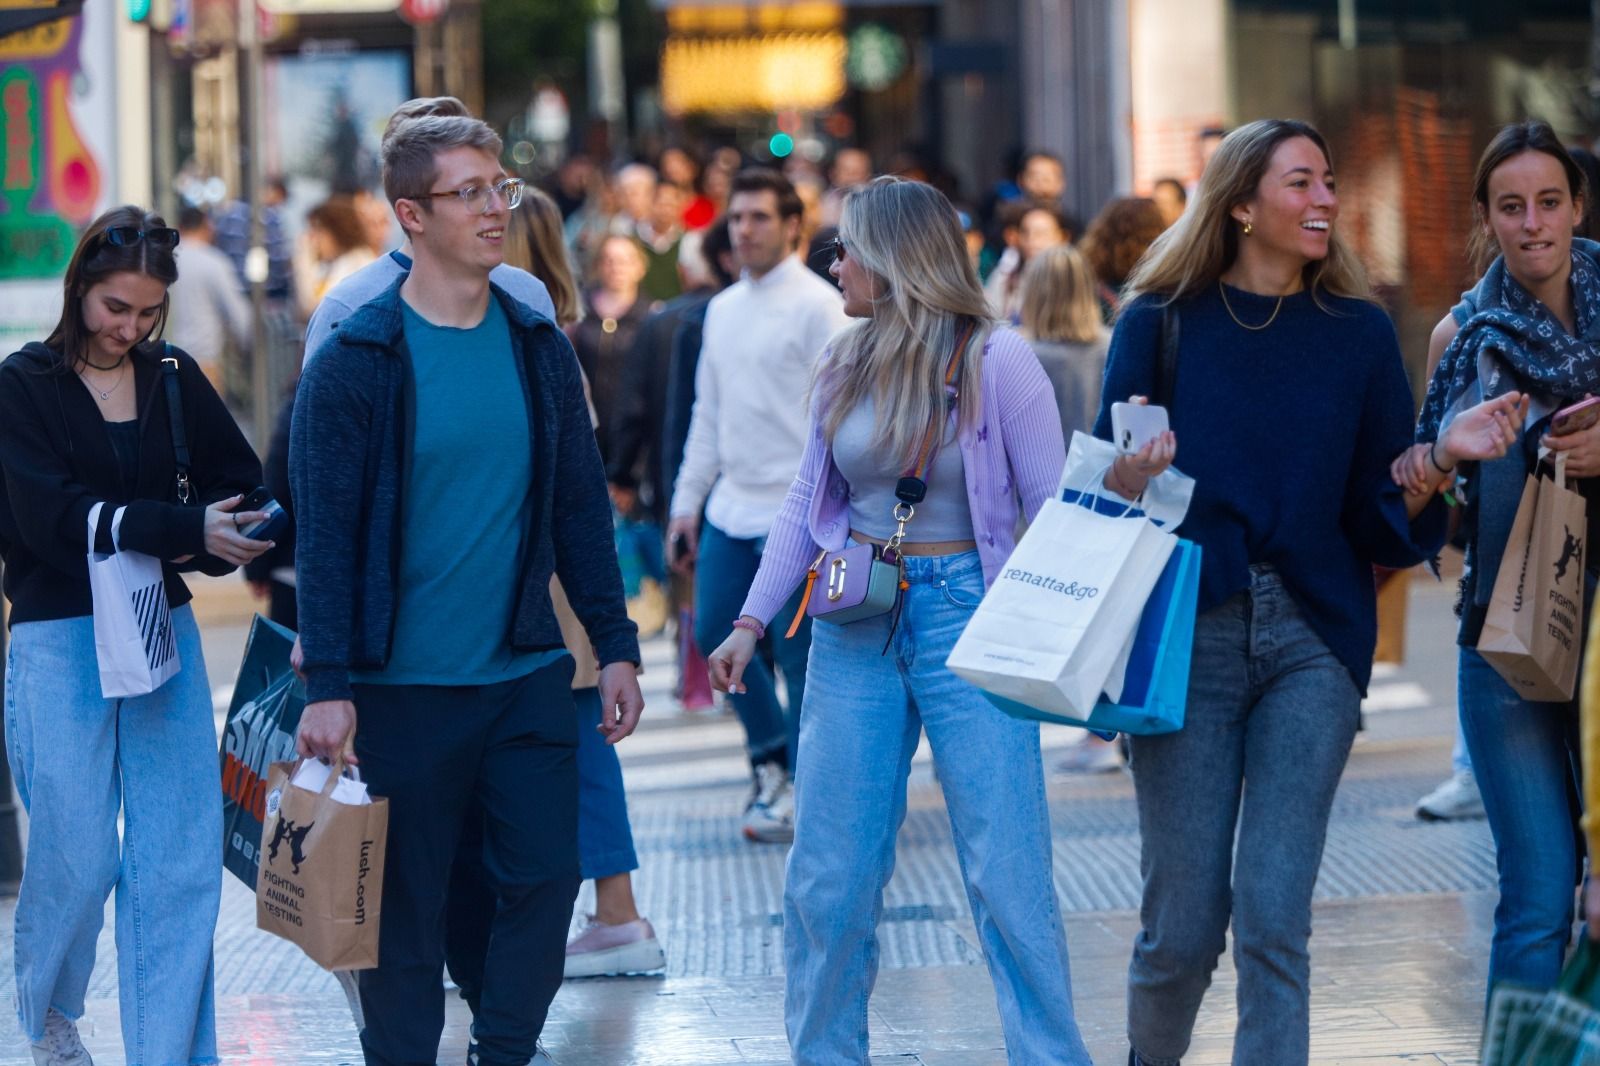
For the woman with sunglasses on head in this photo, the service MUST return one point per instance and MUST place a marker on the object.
(1285, 383)
(925, 395)
(84, 421)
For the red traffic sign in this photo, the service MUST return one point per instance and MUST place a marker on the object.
(416, 11)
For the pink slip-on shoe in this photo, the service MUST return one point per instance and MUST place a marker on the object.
(603, 950)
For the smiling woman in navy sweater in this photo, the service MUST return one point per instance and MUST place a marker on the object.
(1291, 400)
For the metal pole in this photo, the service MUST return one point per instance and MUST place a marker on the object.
(257, 262)
(10, 840)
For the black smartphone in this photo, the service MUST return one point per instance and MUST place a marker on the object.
(676, 547)
(259, 499)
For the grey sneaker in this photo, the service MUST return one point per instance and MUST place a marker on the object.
(60, 1046)
(1455, 799)
(1091, 755)
(770, 819)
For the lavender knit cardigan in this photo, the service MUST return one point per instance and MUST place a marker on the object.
(1012, 459)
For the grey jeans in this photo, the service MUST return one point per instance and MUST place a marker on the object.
(1270, 720)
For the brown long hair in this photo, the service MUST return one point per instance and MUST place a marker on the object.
(1533, 135)
(1200, 247)
(535, 243)
(96, 259)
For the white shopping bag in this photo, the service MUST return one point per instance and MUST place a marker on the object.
(133, 639)
(1063, 608)
(1165, 500)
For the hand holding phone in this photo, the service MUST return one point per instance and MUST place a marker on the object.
(1133, 425)
(1576, 418)
(269, 527)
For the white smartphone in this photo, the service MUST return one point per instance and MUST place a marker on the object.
(1133, 425)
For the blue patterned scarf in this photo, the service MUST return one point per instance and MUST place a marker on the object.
(1509, 340)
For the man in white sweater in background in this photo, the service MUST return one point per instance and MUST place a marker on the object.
(763, 335)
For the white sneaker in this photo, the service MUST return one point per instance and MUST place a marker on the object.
(770, 819)
(60, 1046)
(1456, 798)
(603, 950)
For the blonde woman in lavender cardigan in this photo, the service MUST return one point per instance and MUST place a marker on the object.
(923, 356)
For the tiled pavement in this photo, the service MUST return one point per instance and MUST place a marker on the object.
(1398, 959)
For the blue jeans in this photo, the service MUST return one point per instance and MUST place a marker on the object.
(723, 573)
(605, 838)
(864, 711)
(79, 759)
(1525, 756)
(1271, 705)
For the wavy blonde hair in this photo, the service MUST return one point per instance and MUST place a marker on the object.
(1200, 247)
(1058, 297)
(909, 239)
(535, 243)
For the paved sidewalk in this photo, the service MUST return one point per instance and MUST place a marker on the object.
(1402, 918)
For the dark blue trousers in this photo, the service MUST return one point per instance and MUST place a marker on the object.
(434, 751)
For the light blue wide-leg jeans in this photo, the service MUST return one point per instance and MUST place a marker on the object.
(863, 713)
(78, 759)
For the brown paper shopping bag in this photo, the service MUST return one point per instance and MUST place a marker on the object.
(321, 880)
(1532, 633)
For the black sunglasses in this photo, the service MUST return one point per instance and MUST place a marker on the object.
(128, 236)
(836, 246)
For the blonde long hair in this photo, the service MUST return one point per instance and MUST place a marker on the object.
(535, 243)
(909, 239)
(1201, 246)
(1058, 297)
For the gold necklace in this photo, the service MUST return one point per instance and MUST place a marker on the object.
(1223, 289)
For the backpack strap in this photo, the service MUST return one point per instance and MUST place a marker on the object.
(1167, 358)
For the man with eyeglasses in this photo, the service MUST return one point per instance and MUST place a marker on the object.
(443, 467)
(371, 280)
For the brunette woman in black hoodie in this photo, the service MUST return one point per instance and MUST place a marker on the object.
(85, 420)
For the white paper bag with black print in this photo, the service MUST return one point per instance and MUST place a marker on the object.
(133, 639)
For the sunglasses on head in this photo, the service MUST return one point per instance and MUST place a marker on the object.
(128, 236)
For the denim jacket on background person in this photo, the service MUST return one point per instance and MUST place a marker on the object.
(349, 449)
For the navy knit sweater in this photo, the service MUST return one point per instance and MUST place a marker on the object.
(1288, 432)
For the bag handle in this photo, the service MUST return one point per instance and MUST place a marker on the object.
(1167, 358)
(180, 435)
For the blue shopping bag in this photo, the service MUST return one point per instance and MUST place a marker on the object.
(1155, 687)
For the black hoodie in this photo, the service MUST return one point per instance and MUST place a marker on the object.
(58, 462)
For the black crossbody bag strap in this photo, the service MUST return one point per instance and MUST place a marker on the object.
(180, 435)
(1167, 362)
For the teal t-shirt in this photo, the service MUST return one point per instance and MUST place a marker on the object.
(463, 516)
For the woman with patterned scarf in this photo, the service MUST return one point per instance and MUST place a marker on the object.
(1532, 324)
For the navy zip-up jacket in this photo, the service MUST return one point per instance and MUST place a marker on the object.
(349, 448)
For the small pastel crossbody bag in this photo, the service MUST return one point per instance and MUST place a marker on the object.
(866, 580)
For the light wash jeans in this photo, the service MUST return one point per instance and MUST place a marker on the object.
(1271, 717)
(863, 713)
(1525, 756)
(78, 759)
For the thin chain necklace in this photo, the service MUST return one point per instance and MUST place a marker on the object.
(104, 394)
(1223, 289)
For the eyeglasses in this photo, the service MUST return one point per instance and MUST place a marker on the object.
(128, 236)
(836, 246)
(476, 197)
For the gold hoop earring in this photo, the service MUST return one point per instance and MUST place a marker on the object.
(1248, 229)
